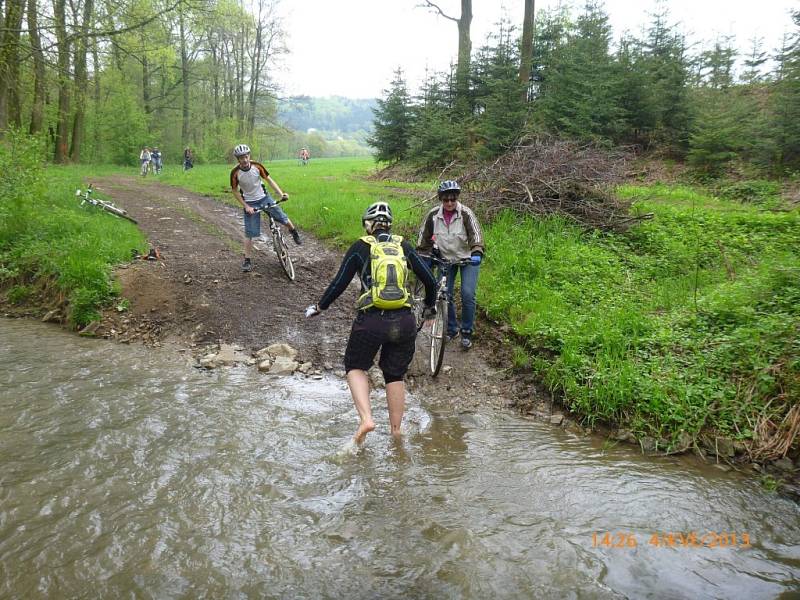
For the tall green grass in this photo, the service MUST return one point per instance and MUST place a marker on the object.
(691, 319)
(327, 197)
(49, 243)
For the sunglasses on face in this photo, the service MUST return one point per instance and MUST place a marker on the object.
(450, 199)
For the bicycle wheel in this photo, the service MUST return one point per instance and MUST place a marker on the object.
(438, 337)
(118, 212)
(282, 250)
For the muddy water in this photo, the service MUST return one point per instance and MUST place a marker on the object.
(125, 472)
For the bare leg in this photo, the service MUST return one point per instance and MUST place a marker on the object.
(248, 247)
(359, 389)
(396, 400)
(289, 225)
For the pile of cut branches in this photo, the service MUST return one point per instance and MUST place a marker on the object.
(548, 176)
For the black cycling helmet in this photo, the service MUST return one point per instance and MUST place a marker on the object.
(449, 186)
(377, 212)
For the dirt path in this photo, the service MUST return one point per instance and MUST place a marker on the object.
(196, 295)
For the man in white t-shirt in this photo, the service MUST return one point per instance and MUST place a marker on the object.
(247, 184)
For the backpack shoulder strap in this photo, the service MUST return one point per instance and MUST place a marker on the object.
(365, 275)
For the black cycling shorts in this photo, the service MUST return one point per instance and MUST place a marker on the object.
(393, 332)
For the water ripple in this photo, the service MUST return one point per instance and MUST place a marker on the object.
(127, 473)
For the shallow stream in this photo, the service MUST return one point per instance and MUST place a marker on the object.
(125, 472)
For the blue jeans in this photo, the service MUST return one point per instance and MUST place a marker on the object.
(252, 223)
(469, 283)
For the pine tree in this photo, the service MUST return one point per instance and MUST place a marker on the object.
(785, 102)
(437, 136)
(716, 138)
(581, 95)
(498, 94)
(392, 122)
(716, 65)
(666, 66)
(754, 62)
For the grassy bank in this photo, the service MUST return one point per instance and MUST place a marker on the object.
(52, 250)
(691, 320)
(688, 323)
(327, 197)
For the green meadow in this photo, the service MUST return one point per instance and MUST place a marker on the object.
(51, 248)
(687, 323)
(326, 197)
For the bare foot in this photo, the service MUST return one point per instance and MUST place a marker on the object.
(363, 430)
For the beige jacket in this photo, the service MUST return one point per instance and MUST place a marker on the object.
(457, 240)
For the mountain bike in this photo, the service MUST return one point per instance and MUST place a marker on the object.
(279, 242)
(86, 198)
(145, 168)
(436, 338)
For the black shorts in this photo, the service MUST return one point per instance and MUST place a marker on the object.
(394, 332)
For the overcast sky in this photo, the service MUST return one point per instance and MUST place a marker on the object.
(352, 47)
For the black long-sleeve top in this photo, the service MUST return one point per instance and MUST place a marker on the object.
(356, 260)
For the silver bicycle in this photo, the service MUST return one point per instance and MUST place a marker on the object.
(435, 338)
(279, 242)
(86, 198)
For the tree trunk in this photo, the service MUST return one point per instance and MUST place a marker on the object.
(215, 69)
(81, 83)
(96, 98)
(185, 76)
(9, 64)
(526, 48)
(240, 84)
(255, 68)
(37, 106)
(462, 104)
(62, 125)
(464, 56)
(145, 78)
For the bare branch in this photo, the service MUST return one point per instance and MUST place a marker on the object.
(429, 4)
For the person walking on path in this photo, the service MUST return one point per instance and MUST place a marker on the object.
(382, 261)
(188, 159)
(157, 157)
(247, 185)
(456, 233)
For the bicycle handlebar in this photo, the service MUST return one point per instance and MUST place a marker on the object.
(449, 263)
(265, 208)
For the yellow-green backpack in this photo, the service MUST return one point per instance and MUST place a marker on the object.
(388, 274)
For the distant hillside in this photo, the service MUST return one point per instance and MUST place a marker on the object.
(334, 114)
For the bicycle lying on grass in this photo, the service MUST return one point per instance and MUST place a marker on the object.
(104, 204)
(435, 338)
(279, 242)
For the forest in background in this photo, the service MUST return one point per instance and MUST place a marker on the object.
(96, 81)
(329, 126)
(720, 110)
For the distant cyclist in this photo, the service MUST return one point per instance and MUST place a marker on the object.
(156, 157)
(384, 321)
(458, 236)
(247, 184)
(144, 160)
(304, 156)
(188, 159)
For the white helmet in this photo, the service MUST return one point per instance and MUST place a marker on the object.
(241, 150)
(378, 211)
